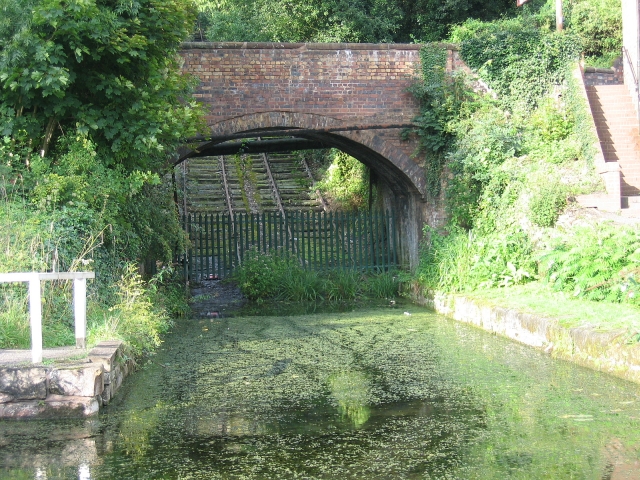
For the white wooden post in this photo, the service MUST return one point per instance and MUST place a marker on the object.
(80, 310)
(559, 16)
(35, 317)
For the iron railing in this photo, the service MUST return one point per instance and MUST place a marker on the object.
(364, 241)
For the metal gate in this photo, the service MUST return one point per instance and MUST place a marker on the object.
(364, 241)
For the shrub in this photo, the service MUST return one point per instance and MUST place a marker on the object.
(461, 260)
(547, 204)
(263, 276)
(345, 182)
(599, 24)
(134, 318)
(518, 60)
(601, 263)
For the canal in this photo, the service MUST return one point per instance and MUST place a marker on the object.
(372, 393)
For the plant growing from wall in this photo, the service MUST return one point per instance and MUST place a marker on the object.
(518, 60)
(440, 96)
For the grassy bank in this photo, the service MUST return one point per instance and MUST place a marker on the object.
(508, 160)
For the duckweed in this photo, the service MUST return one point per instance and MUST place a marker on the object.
(371, 393)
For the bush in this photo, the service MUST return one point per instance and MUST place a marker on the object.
(462, 261)
(599, 24)
(263, 276)
(518, 60)
(345, 182)
(597, 263)
(547, 204)
(134, 318)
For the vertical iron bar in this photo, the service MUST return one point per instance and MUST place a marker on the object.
(357, 247)
(394, 229)
(253, 229)
(268, 246)
(206, 243)
(342, 251)
(246, 231)
(301, 242)
(279, 233)
(264, 233)
(308, 228)
(315, 240)
(349, 237)
(223, 253)
(229, 234)
(187, 259)
(239, 237)
(331, 233)
(325, 235)
(387, 237)
(219, 260)
(199, 251)
(185, 266)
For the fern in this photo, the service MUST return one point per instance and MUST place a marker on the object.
(600, 263)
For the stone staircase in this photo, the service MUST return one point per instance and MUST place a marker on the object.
(616, 123)
(291, 179)
(205, 184)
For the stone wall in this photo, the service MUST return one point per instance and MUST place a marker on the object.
(605, 76)
(68, 390)
(606, 351)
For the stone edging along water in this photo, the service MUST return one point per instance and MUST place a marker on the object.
(606, 351)
(74, 389)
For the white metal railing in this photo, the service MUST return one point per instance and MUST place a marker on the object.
(35, 304)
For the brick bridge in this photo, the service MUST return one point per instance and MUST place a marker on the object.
(348, 96)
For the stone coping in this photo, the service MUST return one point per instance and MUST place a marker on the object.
(16, 358)
(605, 351)
(307, 46)
(69, 387)
(606, 71)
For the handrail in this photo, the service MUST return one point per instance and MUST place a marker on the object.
(635, 78)
(35, 304)
(633, 71)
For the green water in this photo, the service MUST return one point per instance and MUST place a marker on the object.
(364, 394)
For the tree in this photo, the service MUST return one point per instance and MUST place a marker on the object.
(103, 68)
(92, 106)
(341, 20)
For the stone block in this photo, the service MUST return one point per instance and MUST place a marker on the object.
(72, 406)
(6, 398)
(55, 406)
(81, 381)
(24, 383)
(106, 395)
(116, 379)
(106, 353)
(26, 409)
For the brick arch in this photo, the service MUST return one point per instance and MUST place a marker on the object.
(377, 148)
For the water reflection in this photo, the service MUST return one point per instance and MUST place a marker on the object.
(366, 394)
(350, 389)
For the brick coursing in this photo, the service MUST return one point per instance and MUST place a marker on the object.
(247, 86)
(253, 86)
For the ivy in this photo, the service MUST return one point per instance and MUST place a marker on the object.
(520, 62)
(441, 96)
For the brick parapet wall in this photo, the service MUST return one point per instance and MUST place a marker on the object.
(352, 82)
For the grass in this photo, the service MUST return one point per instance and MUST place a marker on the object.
(538, 298)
